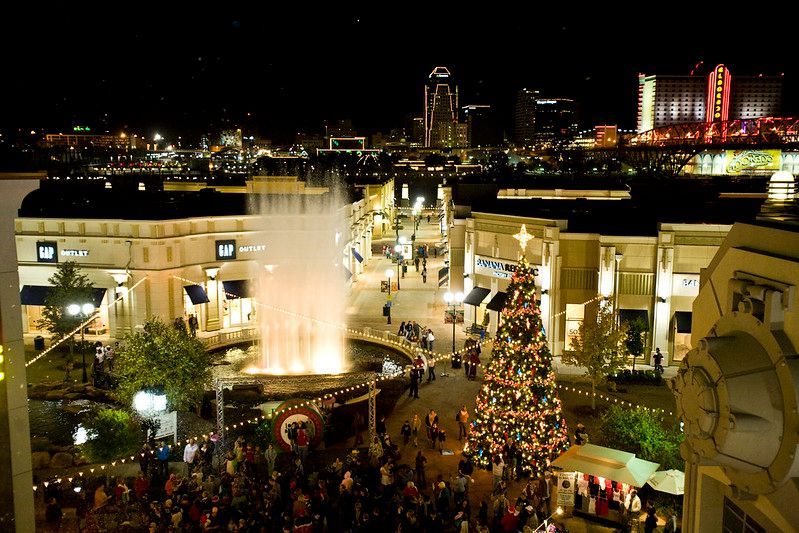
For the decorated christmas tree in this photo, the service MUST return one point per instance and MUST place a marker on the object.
(518, 400)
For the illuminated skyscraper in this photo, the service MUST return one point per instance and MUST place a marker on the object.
(440, 110)
(666, 100)
(524, 117)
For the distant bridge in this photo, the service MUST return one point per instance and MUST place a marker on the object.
(763, 132)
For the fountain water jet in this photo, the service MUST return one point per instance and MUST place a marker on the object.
(302, 275)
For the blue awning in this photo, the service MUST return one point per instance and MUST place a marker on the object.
(37, 295)
(238, 288)
(357, 256)
(97, 296)
(33, 294)
(626, 316)
(476, 296)
(497, 302)
(197, 294)
(683, 321)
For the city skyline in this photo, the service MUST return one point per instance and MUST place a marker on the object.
(277, 73)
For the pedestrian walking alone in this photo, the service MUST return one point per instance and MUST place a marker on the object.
(463, 422)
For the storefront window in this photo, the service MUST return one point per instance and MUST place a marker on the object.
(682, 345)
(238, 312)
(574, 317)
(99, 326)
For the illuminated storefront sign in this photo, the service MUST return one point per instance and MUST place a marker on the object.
(252, 248)
(225, 249)
(75, 253)
(748, 161)
(47, 252)
(685, 285)
(498, 268)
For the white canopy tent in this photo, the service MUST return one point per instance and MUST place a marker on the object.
(608, 463)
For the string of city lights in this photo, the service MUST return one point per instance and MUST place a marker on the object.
(88, 321)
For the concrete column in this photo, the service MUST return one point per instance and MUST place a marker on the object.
(545, 284)
(661, 319)
(16, 480)
(213, 318)
(607, 270)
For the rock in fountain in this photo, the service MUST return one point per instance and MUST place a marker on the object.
(301, 289)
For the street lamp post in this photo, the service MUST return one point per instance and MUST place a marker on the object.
(389, 275)
(398, 249)
(82, 312)
(453, 301)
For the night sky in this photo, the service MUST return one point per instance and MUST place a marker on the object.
(184, 71)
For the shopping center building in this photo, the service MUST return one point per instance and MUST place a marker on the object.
(173, 253)
(592, 245)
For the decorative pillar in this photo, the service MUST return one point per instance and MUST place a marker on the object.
(212, 315)
(661, 320)
(121, 324)
(16, 481)
(545, 286)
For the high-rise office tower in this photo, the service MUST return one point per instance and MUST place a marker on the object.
(482, 128)
(664, 100)
(524, 117)
(440, 109)
(555, 119)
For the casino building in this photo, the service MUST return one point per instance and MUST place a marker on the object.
(592, 245)
(170, 253)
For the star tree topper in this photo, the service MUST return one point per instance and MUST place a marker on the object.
(523, 237)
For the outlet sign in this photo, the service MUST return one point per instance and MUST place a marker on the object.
(225, 249)
(47, 252)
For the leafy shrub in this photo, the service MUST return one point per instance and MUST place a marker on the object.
(644, 433)
(636, 377)
(111, 433)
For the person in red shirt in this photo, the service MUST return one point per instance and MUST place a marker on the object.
(410, 491)
(510, 521)
(141, 486)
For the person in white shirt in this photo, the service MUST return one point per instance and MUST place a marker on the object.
(632, 504)
(189, 452)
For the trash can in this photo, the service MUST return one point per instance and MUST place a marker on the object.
(38, 342)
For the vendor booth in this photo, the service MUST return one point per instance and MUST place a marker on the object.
(594, 481)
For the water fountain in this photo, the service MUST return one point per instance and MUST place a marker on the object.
(301, 287)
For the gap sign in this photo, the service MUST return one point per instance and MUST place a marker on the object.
(225, 249)
(47, 252)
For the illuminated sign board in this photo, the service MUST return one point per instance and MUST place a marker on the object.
(750, 161)
(75, 253)
(225, 249)
(47, 252)
(252, 248)
(718, 95)
(498, 268)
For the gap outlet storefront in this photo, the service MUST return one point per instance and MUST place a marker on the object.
(204, 266)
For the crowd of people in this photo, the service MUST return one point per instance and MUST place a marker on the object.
(249, 489)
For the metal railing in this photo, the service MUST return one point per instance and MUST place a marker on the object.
(229, 338)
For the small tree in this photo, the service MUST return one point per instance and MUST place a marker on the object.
(161, 356)
(636, 332)
(599, 348)
(111, 433)
(70, 286)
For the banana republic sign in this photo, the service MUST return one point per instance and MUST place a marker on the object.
(498, 268)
